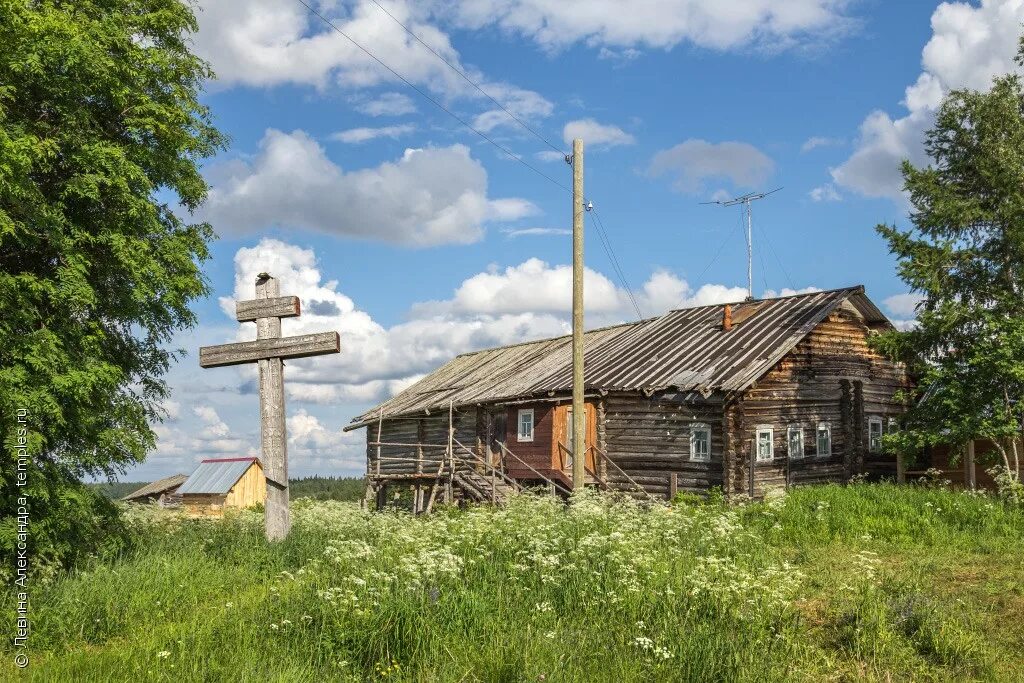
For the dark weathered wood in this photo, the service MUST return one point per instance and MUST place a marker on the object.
(277, 307)
(300, 346)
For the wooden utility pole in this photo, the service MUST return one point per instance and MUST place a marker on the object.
(579, 412)
(269, 351)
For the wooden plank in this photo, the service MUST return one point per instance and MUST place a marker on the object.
(276, 307)
(300, 346)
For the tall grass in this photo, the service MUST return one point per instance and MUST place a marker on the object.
(824, 582)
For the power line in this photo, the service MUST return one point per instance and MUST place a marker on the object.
(432, 99)
(715, 257)
(467, 78)
(606, 243)
(771, 246)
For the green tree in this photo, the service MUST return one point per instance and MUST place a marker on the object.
(101, 131)
(965, 257)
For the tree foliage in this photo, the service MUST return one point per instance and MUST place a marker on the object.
(101, 133)
(965, 257)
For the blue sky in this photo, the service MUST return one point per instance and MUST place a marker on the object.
(417, 240)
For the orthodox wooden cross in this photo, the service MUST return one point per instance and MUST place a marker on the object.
(269, 351)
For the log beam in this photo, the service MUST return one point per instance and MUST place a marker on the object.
(276, 307)
(300, 346)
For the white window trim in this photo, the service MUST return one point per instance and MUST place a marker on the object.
(520, 437)
(789, 441)
(762, 429)
(695, 429)
(827, 426)
(872, 421)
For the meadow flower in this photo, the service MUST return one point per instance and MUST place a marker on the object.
(163, 654)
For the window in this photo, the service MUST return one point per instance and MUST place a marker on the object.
(765, 443)
(875, 434)
(796, 442)
(894, 425)
(824, 439)
(700, 442)
(525, 425)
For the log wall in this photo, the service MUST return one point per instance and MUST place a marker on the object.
(831, 376)
(649, 439)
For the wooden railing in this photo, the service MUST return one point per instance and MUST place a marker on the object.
(628, 478)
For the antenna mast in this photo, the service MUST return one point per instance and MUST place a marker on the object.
(746, 200)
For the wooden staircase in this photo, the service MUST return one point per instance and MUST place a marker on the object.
(483, 488)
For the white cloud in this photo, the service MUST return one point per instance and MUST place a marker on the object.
(825, 193)
(320, 448)
(428, 196)
(533, 232)
(182, 445)
(788, 291)
(267, 43)
(970, 44)
(596, 135)
(620, 57)
(903, 305)
(555, 24)
(524, 104)
(819, 141)
(694, 161)
(358, 135)
(386, 104)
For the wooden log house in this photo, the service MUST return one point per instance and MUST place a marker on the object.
(747, 397)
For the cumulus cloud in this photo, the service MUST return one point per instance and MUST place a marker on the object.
(555, 24)
(181, 442)
(903, 305)
(693, 162)
(970, 44)
(596, 135)
(357, 135)
(267, 43)
(428, 196)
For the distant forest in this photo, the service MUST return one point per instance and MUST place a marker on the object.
(319, 488)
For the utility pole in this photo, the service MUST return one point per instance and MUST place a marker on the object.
(748, 213)
(579, 412)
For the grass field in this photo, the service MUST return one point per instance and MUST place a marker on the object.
(867, 582)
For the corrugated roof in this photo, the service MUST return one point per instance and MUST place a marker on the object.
(685, 349)
(216, 476)
(157, 487)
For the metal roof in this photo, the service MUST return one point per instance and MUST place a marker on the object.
(685, 349)
(158, 486)
(216, 476)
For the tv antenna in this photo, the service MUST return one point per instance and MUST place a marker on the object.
(746, 200)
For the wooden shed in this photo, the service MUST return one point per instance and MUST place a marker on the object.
(223, 483)
(163, 492)
(747, 396)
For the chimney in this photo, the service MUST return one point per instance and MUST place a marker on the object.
(727, 317)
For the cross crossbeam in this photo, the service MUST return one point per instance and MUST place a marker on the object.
(268, 352)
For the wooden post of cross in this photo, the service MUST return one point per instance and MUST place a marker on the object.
(268, 352)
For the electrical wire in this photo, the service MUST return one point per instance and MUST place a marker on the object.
(606, 243)
(764, 233)
(714, 258)
(468, 79)
(433, 100)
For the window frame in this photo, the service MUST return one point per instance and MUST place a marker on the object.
(764, 429)
(520, 437)
(700, 428)
(872, 421)
(789, 442)
(827, 428)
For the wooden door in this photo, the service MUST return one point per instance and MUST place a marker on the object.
(561, 458)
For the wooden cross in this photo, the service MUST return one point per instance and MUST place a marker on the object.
(269, 351)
